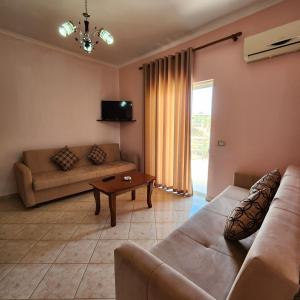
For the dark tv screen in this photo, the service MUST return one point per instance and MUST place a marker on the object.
(116, 110)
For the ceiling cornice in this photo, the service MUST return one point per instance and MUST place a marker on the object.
(230, 18)
(27, 39)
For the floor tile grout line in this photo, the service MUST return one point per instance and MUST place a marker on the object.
(98, 241)
(53, 263)
(67, 239)
(62, 241)
(20, 230)
(130, 220)
(14, 265)
(155, 230)
(22, 257)
(50, 266)
(80, 280)
(63, 248)
(86, 267)
(46, 231)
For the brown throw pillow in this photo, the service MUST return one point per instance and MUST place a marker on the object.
(65, 159)
(269, 181)
(97, 155)
(248, 216)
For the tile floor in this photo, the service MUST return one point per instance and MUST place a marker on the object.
(61, 250)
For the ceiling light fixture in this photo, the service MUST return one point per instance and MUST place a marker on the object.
(85, 38)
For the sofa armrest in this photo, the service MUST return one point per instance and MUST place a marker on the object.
(24, 184)
(130, 157)
(244, 180)
(142, 276)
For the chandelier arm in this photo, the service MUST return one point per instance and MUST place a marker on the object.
(79, 28)
(95, 34)
(78, 33)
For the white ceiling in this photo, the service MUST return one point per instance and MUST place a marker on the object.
(138, 26)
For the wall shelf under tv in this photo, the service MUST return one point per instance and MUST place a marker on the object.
(116, 120)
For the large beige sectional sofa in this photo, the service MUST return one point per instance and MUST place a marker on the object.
(40, 180)
(196, 262)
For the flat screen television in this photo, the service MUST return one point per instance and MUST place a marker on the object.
(116, 110)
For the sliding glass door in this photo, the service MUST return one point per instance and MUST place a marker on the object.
(200, 134)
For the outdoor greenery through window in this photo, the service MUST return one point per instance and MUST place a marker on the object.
(200, 134)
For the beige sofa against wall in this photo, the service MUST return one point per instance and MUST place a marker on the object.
(196, 262)
(40, 180)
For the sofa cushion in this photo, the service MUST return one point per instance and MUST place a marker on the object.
(97, 155)
(197, 229)
(39, 160)
(47, 180)
(112, 152)
(94, 171)
(234, 193)
(115, 167)
(82, 174)
(65, 159)
(293, 171)
(213, 271)
(287, 196)
(227, 200)
(82, 153)
(247, 217)
(271, 268)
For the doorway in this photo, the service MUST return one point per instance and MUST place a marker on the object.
(200, 134)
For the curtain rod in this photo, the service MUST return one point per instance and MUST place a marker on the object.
(233, 37)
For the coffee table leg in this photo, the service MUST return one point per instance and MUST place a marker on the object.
(112, 207)
(149, 193)
(133, 195)
(97, 200)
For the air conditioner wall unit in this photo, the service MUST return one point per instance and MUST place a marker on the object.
(273, 42)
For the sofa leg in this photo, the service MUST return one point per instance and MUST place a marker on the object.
(97, 201)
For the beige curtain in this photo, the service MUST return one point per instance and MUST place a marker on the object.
(167, 92)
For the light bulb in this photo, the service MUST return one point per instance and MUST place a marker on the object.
(106, 36)
(66, 29)
(87, 45)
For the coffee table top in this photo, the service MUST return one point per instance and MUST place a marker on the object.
(119, 185)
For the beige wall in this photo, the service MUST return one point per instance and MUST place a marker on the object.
(49, 98)
(256, 107)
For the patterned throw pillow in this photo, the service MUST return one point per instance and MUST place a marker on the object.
(65, 159)
(248, 216)
(269, 181)
(97, 155)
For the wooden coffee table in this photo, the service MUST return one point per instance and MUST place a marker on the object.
(117, 186)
